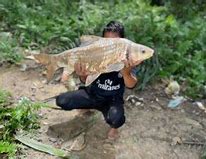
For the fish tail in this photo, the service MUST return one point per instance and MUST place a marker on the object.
(43, 58)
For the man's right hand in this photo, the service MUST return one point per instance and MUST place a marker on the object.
(81, 71)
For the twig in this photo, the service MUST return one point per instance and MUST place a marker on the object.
(49, 99)
(193, 143)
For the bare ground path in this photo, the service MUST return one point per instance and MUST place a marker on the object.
(150, 131)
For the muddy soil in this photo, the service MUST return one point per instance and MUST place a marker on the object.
(152, 130)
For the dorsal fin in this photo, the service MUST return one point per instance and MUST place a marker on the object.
(88, 39)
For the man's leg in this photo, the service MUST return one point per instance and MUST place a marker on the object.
(75, 100)
(114, 116)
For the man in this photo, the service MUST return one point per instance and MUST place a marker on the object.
(106, 92)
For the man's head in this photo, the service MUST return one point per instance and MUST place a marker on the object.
(113, 29)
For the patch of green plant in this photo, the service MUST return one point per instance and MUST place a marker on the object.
(5, 98)
(9, 50)
(18, 117)
(7, 148)
(21, 117)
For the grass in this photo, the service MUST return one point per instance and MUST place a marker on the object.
(18, 117)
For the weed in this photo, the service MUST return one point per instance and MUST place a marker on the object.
(21, 116)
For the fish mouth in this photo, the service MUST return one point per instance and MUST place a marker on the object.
(151, 53)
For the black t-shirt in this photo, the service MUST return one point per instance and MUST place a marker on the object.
(109, 84)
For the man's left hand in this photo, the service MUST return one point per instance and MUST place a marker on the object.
(128, 65)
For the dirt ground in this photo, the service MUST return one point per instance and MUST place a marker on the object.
(152, 130)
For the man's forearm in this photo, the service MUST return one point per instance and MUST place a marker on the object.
(129, 80)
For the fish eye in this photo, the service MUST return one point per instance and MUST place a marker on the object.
(143, 51)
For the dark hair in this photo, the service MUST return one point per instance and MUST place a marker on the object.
(114, 26)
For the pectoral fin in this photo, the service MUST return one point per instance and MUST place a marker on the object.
(115, 67)
(91, 78)
(50, 72)
(88, 39)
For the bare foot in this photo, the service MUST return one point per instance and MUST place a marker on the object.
(113, 134)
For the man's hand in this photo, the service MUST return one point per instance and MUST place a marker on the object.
(64, 77)
(81, 71)
(128, 65)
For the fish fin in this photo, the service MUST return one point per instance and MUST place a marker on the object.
(70, 66)
(42, 58)
(91, 78)
(115, 67)
(88, 39)
(50, 71)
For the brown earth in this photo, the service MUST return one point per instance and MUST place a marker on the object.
(151, 131)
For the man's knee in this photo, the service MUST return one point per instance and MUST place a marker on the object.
(63, 101)
(115, 117)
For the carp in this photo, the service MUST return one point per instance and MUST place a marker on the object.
(98, 54)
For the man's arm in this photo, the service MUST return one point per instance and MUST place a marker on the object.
(64, 76)
(81, 71)
(130, 80)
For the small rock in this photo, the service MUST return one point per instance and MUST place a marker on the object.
(44, 81)
(155, 107)
(23, 67)
(201, 106)
(53, 140)
(108, 146)
(172, 88)
(45, 123)
(137, 103)
(41, 114)
(134, 100)
(176, 140)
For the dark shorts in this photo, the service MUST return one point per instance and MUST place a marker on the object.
(111, 107)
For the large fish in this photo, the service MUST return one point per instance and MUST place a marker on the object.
(100, 55)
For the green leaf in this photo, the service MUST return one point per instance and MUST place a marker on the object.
(41, 147)
(170, 20)
(9, 148)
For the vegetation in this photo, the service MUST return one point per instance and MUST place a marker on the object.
(175, 29)
(22, 116)
(9, 50)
